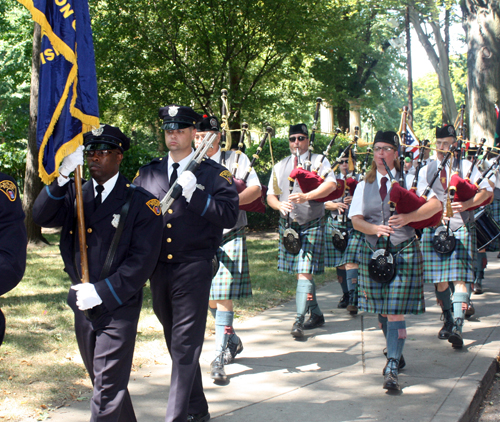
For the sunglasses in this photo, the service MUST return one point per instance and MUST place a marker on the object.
(99, 153)
(344, 161)
(298, 138)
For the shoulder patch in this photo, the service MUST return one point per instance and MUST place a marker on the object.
(154, 205)
(226, 174)
(9, 188)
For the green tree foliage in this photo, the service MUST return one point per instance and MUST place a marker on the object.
(16, 31)
(151, 53)
(357, 60)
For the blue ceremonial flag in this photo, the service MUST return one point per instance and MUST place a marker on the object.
(67, 103)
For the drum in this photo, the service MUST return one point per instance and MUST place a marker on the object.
(487, 229)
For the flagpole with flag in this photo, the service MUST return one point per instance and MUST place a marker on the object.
(67, 102)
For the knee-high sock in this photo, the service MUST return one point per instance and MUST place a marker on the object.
(223, 329)
(352, 279)
(312, 304)
(213, 311)
(396, 336)
(444, 299)
(304, 287)
(458, 312)
(342, 276)
(481, 262)
(383, 324)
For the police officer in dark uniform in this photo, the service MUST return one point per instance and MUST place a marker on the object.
(191, 236)
(105, 334)
(13, 240)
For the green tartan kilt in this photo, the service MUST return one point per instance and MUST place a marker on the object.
(333, 256)
(232, 281)
(458, 265)
(494, 209)
(403, 295)
(353, 250)
(311, 257)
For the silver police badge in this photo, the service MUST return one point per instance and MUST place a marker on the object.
(98, 131)
(173, 110)
(213, 123)
(450, 130)
(304, 129)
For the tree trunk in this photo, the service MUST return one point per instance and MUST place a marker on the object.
(439, 60)
(481, 20)
(32, 183)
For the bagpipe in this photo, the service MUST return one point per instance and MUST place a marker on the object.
(309, 180)
(258, 204)
(407, 201)
(308, 164)
(460, 189)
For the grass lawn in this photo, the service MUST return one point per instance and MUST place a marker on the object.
(40, 365)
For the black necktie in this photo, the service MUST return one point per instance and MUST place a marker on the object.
(383, 188)
(98, 198)
(173, 177)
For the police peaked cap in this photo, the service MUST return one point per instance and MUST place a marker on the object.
(388, 137)
(445, 132)
(208, 123)
(106, 137)
(300, 129)
(178, 117)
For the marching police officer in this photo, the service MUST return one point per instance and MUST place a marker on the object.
(13, 240)
(192, 233)
(113, 298)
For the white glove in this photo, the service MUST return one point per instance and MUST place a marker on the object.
(188, 182)
(71, 161)
(86, 296)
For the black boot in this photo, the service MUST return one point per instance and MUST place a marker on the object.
(391, 375)
(455, 338)
(217, 372)
(352, 307)
(344, 301)
(297, 329)
(445, 331)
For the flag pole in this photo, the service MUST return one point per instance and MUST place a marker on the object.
(81, 225)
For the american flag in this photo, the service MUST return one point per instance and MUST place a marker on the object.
(412, 140)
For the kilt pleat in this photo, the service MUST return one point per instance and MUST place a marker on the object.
(232, 281)
(403, 295)
(456, 266)
(311, 257)
(353, 250)
(333, 256)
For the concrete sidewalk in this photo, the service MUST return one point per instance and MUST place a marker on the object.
(335, 373)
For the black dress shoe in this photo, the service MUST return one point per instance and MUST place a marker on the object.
(344, 301)
(199, 417)
(391, 381)
(297, 329)
(217, 372)
(470, 310)
(314, 321)
(352, 307)
(445, 332)
(456, 338)
(232, 350)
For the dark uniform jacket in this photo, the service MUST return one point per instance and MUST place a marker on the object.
(13, 238)
(193, 231)
(138, 249)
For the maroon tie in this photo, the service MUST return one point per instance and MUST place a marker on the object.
(295, 161)
(442, 177)
(383, 188)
